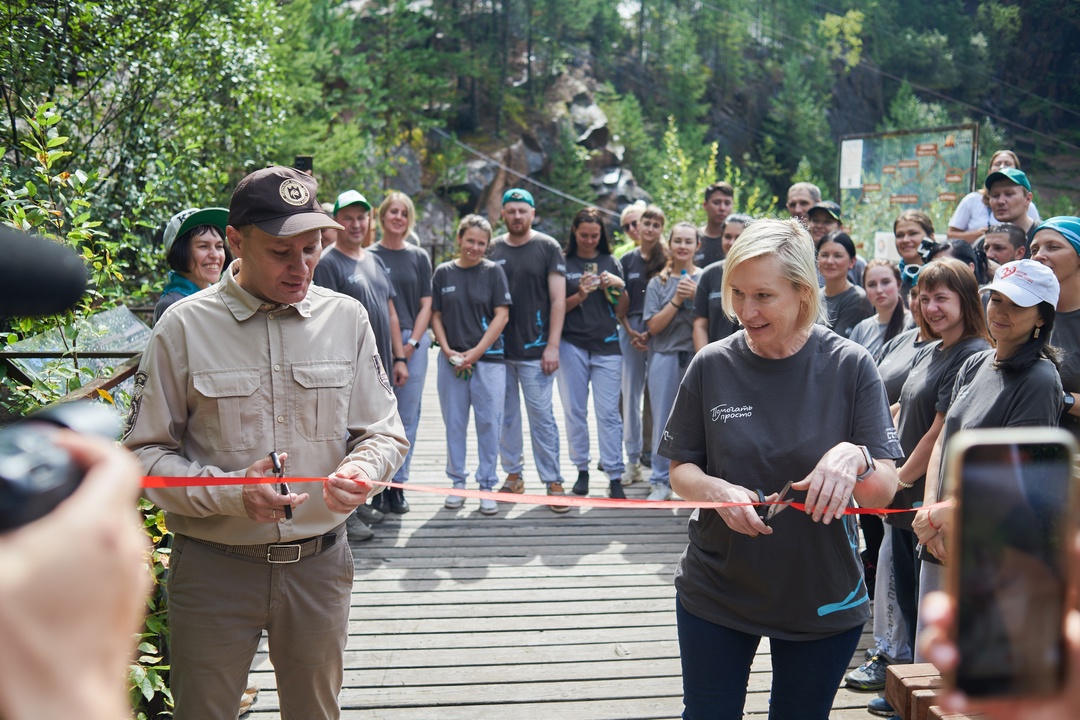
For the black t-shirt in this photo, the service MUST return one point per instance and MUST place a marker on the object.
(711, 250)
(985, 397)
(410, 273)
(927, 391)
(1067, 337)
(636, 279)
(592, 325)
(769, 422)
(709, 304)
(895, 361)
(367, 281)
(847, 309)
(527, 268)
(467, 298)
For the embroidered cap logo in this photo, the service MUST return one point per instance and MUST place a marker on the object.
(294, 193)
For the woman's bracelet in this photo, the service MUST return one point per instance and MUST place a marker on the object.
(906, 486)
(672, 303)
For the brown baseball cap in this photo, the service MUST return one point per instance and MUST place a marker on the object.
(280, 201)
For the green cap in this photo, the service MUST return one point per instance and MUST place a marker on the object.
(518, 195)
(191, 218)
(351, 197)
(1012, 175)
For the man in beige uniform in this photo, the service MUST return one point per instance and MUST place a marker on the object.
(263, 361)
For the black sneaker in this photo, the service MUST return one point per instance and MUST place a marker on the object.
(581, 487)
(397, 502)
(646, 459)
(615, 490)
(870, 676)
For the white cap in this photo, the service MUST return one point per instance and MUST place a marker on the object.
(1026, 283)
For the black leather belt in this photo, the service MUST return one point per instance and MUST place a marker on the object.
(279, 552)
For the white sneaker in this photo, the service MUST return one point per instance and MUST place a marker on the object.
(453, 502)
(632, 474)
(660, 491)
(488, 507)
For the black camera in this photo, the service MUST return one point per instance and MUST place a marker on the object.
(36, 474)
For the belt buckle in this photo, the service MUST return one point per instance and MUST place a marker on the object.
(270, 553)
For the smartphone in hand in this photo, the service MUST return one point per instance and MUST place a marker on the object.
(1015, 493)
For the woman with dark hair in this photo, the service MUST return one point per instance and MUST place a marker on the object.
(196, 251)
(1015, 384)
(910, 229)
(965, 253)
(589, 354)
(973, 216)
(845, 304)
(950, 311)
(881, 280)
(1057, 245)
(711, 323)
(639, 266)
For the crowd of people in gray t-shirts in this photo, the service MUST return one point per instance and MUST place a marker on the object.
(635, 320)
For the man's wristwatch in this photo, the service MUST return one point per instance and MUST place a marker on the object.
(1067, 403)
(414, 342)
(869, 464)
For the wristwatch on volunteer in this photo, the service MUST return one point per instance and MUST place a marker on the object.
(414, 342)
(869, 464)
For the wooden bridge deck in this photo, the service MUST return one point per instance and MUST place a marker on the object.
(527, 615)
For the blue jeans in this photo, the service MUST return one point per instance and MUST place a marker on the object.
(633, 390)
(483, 392)
(536, 389)
(409, 396)
(716, 668)
(578, 369)
(665, 375)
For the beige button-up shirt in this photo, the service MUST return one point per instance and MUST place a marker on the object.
(226, 379)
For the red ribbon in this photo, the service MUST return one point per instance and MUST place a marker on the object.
(157, 481)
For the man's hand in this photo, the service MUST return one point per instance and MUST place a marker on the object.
(549, 361)
(262, 502)
(347, 488)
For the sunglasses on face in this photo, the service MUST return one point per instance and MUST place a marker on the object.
(630, 225)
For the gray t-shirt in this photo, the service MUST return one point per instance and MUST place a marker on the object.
(711, 250)
(467, 298)
(637, 279)
(769, 422)
(1066, 336)
(927, 391)
(847, 309)
(709, 304)
(527, 268)
(679, 333)
(870, 333)
(410, 273)
(985, 397)
(896, 359)
(367, 281)
(592, 325)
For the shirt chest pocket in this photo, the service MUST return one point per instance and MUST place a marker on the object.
(322, 399)
(230, 411)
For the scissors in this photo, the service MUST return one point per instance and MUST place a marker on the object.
(767, 512)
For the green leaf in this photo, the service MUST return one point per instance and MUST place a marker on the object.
(56, 141)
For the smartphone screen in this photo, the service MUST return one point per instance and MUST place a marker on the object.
(1011, 575)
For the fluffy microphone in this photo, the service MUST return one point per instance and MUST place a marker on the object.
(37, 276)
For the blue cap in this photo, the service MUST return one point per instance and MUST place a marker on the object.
(518, 195)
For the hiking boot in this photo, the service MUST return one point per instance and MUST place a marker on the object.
(514, 484)
(357, 530)
(369, 515)
(870, 676)
(397, 502)
(615, 490)
(556, 488)
(660, 491)
(880, 706)
(632, 474)
(581, 487)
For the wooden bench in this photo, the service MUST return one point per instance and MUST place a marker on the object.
(912, 690)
